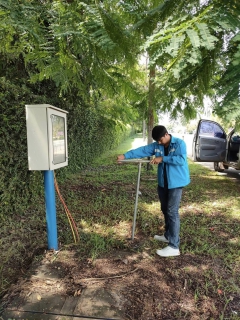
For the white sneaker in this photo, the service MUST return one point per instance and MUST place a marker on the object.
(168, 252)
(161, 238)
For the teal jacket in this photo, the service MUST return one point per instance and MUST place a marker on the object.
(176, 161)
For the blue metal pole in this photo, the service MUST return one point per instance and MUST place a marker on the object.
(51, 216)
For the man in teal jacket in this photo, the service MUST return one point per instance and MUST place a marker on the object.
(173, 174)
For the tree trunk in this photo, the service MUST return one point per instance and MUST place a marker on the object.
(151, 106)
(144, 130)
(151, 103)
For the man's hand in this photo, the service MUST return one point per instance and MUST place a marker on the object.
(120, 157)
(156, 160)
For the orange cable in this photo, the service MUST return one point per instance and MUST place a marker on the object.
(73, 224)
(69, 216)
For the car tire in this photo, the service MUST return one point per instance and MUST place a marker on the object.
(217, 167)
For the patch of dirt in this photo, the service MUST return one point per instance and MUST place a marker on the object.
(151, 288)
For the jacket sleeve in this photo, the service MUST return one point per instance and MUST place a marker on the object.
(177, 156)
(141, 152)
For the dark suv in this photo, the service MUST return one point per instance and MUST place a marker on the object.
(212, 144)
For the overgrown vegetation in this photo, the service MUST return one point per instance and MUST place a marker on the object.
(92, 125)
(89, 135)
(101, 199)
(83, 58)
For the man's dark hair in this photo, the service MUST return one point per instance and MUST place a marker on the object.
(158, 132)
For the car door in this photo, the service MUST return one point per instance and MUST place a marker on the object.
(209, 142)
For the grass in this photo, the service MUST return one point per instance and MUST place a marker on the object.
(101, 199)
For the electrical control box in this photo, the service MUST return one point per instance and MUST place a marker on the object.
(46, 137)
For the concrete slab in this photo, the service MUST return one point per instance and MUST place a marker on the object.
(99, 302)
(34, 309)
(93, 304)
(46, 292)
(68, 307)
(42, 296)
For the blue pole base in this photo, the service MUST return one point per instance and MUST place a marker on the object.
(51, 216)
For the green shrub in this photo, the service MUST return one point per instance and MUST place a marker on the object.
(89, 135)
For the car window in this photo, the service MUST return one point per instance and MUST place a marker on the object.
(236, 137)
(211, 129)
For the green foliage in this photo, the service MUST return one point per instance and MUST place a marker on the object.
(192, 49)
(62, 54)
(19, 188)
(88, 44)
(227, 87)
(90, 134)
